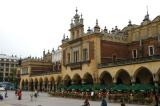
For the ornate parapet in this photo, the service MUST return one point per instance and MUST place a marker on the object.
(116, 38)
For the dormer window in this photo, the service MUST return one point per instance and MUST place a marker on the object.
(151, 50)
(134, 53)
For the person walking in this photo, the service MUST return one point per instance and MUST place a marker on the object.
(35, 93)
(31, 95)
(103, 103)
(19, 94)
(122, 102)
(6, 93)
(1, 96)
(86, 102)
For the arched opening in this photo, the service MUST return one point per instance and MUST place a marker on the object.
(143, 76)
(45, 83)
(122, 77)
(105, 78)
(36, 84)
(31, 84)
(52, 83)
(23, 85)
(67, 80)
(158, 78)
(41, 84)
(26, 84)
(76, 80)
(87, 79)
(59, 79)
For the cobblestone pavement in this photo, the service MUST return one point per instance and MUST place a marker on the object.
(46, 100)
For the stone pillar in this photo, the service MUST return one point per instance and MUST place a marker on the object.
(38, 86)
(155, 79)
(46, 86)
(28, 86)
(34, 86)
(25, 86)
(133, 80)
(43, 86)
(49, 86)
(114, 80)
(53, 87)
(95, 78)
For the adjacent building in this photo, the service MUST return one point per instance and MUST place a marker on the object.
(56, 59)
(8, 66)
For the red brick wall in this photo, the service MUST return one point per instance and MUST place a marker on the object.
(143, 50)
(91, 50)
(108, 49)
(44, 69)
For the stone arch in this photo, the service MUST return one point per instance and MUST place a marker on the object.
(31, 85)
(76, 79)
(23, 84)
(45, 83)
(105, 78)
(36, 83)
(52, 83)
(158, 77)
(143, 75)
(26, 84)
(40, 84)
(67, 80)
(123, 77)
(59, 80)
(87, 78)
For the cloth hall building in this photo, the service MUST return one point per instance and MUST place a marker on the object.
(121, 56)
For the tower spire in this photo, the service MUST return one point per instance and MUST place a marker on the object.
(96, 22)
(146, 18)
(76, 10)
(147, 9)
(96, 28)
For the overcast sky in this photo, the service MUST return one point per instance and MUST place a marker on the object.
(27, 27)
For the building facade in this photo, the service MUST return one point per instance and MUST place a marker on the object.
(8, 65)
(56, 59)
(99, 56)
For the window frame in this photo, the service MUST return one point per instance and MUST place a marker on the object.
(133, 56)
(149, 50)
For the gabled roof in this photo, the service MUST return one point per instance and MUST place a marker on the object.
(156, 19)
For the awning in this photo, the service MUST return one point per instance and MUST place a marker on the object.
(120, 87)
(142, 87)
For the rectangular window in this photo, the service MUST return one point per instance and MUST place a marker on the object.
(7, 64)
(12, 65)
(114, 57)
(6, 74)
(7, 69)
(76, 56)
(85, 54)
(134, 54)
(151, 50)
(2, 64)
(68, 57)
